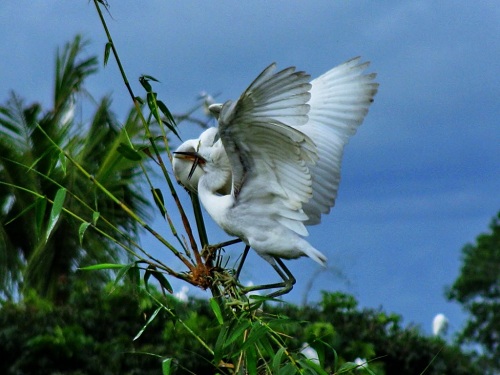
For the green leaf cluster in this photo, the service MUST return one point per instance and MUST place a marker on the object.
(41, 244)
(477, 288)
(94, 334)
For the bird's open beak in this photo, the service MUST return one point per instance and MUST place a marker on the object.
(196, 158)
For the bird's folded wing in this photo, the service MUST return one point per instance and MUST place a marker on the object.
(270, 160)
(340, 99)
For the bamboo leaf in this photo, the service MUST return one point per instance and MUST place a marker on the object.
(160, 277)
(170, 122)
(95, 217)
(21, 213)
(348, 366)
(128, 152)
(265, 345)
(150, 78)
(147, 275)
(81, 231)
(312, 366)
(163, 281)
(103, 266)
(57, 207)
(107, 50)
(166, 112)
(40, 207)
(159, 201)
(151, 318)
(237, 333)
(63, 162)
(217, 311)
(288, 369)
(219, 348)
(123, 271)
(145, 83)
(276, 362)
(172, 129)
(153, 106)
(135, 276)
(256, 333)
(166, 366)
(251, 360)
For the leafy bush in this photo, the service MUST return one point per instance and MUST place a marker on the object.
(94, 333)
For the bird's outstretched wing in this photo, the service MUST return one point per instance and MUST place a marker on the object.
(269, 159)
(339, 102)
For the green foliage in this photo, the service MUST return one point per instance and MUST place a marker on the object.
(478, 289)
(375, 336)
(47, 204)
(93, 334)
(90, 335)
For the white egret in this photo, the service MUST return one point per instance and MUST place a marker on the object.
(361, 362)
(182, 295)
(440, 325)
(310, 353)
(279, 149)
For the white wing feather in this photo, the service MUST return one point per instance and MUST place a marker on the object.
(269, 159)
(337, 103)
(340, 99)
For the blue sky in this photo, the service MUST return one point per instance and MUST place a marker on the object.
(420, 178)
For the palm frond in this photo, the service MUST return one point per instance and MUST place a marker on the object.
(30, 161)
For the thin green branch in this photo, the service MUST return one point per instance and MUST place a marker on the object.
(163, 208)
(198, 338)
(152, 260)
(122, 205)
(150, 137)
(120, 66)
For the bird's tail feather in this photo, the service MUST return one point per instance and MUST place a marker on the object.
(315, 255)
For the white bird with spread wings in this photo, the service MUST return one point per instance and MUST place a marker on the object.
(273, 164)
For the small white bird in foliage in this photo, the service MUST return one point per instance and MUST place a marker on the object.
(361, 362)
(310, 353)
(182, 295)
(440, 325)
(273, 164)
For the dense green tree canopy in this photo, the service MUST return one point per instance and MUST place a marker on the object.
(478, 289)
(94, 335)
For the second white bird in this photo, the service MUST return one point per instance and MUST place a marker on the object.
(273, 164)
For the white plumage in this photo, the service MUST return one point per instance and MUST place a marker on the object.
(440, 325)
(273, 164)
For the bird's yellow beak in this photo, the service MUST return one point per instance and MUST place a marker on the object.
(196, 158)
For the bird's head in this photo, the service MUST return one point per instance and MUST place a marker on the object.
(191, 166)
(187, 165)
(195, 157)
(215, 109)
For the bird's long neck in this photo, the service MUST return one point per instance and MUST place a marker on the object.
(216, 205)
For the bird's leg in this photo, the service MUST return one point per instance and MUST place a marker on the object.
(240, 266)
(226, 243)
(288, 279)
(286, 286)
(287, 275)
(210, 249)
